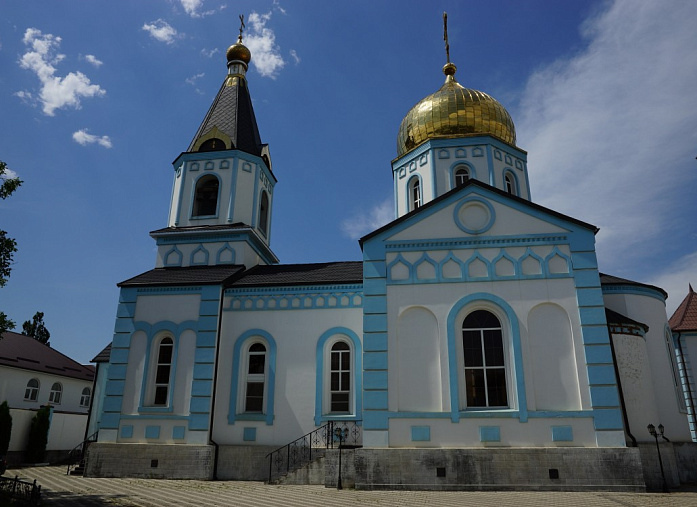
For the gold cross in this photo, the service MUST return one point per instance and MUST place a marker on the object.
(241, 25)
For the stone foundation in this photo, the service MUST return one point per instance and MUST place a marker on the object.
(150, 461)
(244, 462)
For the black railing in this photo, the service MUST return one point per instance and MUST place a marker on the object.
(76, 456)
(307, 448)
(19, 492)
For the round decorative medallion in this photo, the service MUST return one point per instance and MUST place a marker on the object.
(474, 215)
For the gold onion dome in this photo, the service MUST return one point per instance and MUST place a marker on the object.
(454, 111)
(239, 51)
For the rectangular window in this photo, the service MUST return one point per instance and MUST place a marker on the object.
(340, 378)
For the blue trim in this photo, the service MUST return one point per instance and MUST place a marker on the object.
(237, 373)
(294, 298)
(357, 374)
(515, 370)
(557, 253)
(205, 256)
(562, 434)
(490, 165)
(501, 256)
(634, 290)
(420, 433)
(126, 431)
(529, 254)
(181, 194)
(178, 432)
(489, 433)
(174, 250)
(477, 256)
(233, 191)
(152, 432)
(255, 200)
(225, 248)
(470, 200)
(425, 259)
(249, 434)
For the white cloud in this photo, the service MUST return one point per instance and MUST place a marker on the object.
(83, 138)
(364, 222)
(191, 7)
(192, 80)
(93, 60)
(8, 174)
(56, 92)
(611, 131)
(161, 31)
(261, 41)
(295, 56)
(208, 53)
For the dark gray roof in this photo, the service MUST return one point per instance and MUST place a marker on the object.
(201, 228)
(618, 319)
(103, 356)
(20, 351)
(302, 274)
(233, 114)
(193, 275)
(616, 280)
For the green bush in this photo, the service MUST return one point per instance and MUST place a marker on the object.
(38, 436)
(5, 428)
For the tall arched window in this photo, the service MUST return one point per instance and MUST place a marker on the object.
(484, 359)
(85, 397)
(340, 378)
(162, 371)
(31, 393)
(256, 379)
(414, 194)
(264, 213)
(206, 197)
(510, 184)
(56, 393)
(462, 175)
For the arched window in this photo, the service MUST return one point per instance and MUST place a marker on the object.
(206, 197)
(484, 360)
(56, 394)
(340, 379)
(462, 175)
(414, 194)
(255, 381)
(264, 213)
(213, 144)
(510, 184)
(85, 398)
(31, 393)
(163, 369)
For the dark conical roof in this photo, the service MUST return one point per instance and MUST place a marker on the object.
(232, 113)
(685, 317)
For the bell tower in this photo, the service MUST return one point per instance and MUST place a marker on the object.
(223, 188)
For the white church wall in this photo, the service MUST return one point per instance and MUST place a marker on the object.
(175, 308)
(295, 334)
(650, 310)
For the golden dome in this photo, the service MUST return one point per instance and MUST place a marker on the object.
(239, 51)
(454, 111)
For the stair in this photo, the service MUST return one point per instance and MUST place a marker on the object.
(79, 469)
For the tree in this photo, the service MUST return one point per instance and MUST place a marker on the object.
(36, 328)
(5, 428)
(38, 435)
(8, 246)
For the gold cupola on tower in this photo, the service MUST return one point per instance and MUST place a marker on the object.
(454, 111)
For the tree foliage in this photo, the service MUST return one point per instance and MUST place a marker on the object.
(36, 328)
(8, 246)
(38, 436)
(5, 428)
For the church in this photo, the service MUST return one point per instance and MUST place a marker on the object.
(475, 346)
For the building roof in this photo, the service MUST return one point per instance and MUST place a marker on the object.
(477, 183)
(103, 356)
(20, 351)
(685, 317)
(617, 319)
(199, 228)
(191, 275)
(232, 113)
(302, 274)
(606, 279)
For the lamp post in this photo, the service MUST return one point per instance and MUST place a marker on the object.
(341, 436)
(655, 434)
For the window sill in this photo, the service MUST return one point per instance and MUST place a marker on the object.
(203, 217)
(154, 410)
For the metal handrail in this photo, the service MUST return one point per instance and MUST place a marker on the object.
(77, 453)
(22, 492)
(298, 453)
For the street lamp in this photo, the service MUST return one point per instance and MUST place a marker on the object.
(654, 434)
(341, 435)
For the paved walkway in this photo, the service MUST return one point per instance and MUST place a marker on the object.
(59, 489)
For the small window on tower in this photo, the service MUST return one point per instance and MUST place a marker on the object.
(214, 144)
(206, 197)
(414, 194)
(510, 184)
(264, 214)
(462, 175)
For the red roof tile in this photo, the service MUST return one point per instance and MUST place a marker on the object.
(685, 317)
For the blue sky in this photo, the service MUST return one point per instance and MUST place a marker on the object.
(98, 98)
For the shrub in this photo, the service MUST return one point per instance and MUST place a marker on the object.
(5, 428)
(38, 436)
